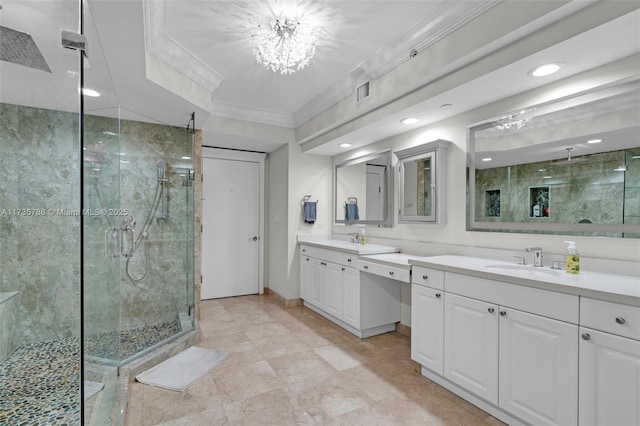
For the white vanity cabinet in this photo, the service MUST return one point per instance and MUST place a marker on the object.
(427, 318)
(331, 284)
(510, 347)
(609, 363)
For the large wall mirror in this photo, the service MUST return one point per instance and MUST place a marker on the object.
(423, 171)
(363, 190)
(571, 166)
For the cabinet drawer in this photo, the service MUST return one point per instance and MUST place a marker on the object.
(428, 277)
(399, 274)
(560, 306)
(616, 318)
(348, 259)
(320, 253)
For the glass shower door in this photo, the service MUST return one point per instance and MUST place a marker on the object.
(40, 281)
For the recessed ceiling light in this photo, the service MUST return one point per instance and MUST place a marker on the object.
(544, 70)
(487, 159)
(345, 145)
(409, 120)
(90, 92)
(594, 141)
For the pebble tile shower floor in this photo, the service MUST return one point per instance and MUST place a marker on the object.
(40, 381)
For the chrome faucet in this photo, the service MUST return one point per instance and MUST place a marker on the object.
(355, 237)
(537, 255)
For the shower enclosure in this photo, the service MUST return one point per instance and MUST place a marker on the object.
(96, 224)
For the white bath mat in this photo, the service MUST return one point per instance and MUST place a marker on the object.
(182, 370)
(91, 388)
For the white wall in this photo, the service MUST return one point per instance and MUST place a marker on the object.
(276, 276)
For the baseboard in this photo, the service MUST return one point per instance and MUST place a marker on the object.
(404, 330)
(286, 303)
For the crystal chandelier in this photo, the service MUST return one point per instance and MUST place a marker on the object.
(284, 44)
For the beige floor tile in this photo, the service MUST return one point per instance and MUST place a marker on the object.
(292, 366)
(338, 358)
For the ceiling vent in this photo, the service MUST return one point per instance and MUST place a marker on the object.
(363, 92)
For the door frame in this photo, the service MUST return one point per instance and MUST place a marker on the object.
(254, 157)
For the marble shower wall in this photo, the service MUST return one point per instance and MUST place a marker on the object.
(40, 252)
(592, 190)
(39, 248)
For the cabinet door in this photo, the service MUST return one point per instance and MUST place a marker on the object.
(538, 369)
(334, 289)
(318, 283)
(609, 379)
(351, 293)
(471, 345)
(305, 277)
(427, 327)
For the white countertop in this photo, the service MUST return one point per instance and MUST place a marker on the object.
(615, 288)
(397, 260)
(346, 246)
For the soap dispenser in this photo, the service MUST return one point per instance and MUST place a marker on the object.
(363, 237)
(572, 260)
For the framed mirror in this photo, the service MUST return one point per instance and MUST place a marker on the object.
(571, 166)
(423, 184)
(363, 190)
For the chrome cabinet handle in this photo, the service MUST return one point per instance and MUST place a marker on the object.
(343, 268)
(307, 259)
(438, 295)
(323, 264)
(304, 250)
(586, 336)
(620, 320)
(255, 238)
(390, 272)
(425, 277)
(366, 266)
(491, 310)
(349, 260)
(503, 313)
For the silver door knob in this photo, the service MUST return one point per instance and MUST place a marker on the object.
(503, 313)
(491, 310)
(620, 320)
(586, 336)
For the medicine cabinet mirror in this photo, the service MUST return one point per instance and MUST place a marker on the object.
(363, 190)
(570, 166)
(422, 185)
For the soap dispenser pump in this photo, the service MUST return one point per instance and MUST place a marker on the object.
(363, 237)
(572, 260)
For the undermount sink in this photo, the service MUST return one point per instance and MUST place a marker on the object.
(525, 268)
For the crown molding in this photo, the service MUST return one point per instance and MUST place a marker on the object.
(227, 110)
(164, 47)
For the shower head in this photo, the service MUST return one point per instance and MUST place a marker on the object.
(569, 160)
(162, 170)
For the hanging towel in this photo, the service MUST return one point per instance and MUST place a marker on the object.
(310, 211)
(351, 212)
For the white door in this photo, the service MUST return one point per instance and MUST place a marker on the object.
(427, 327)
(351, 292)
(471, 345)
(305, 277)
(334, 289)
(609, 379)
(538, 369)
(231, 227)
(375, 196)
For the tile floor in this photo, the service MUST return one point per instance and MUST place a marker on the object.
(293, 367)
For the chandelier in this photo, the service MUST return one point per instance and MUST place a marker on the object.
(512, 121)
(283, 44)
